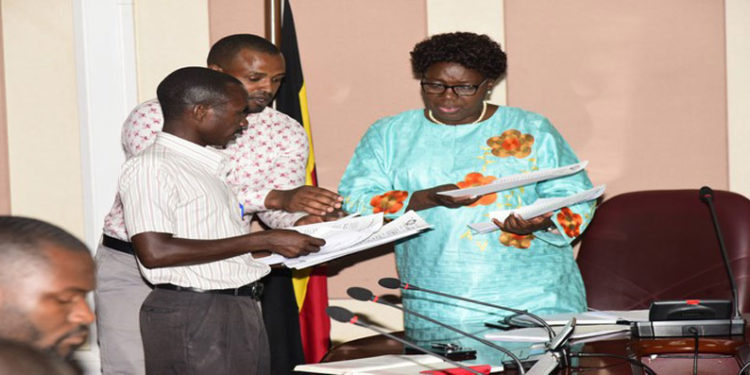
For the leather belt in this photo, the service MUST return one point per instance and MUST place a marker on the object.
(117, 244)
(254, 290)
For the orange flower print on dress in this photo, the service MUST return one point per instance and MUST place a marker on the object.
(516, 240)
(477, 179)
(511, 143)
(388, 203)
(570, 221)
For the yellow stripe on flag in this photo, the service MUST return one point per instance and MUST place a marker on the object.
(299, 282)
(306, 125)
(300, 278)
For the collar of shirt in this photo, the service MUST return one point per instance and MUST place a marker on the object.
(214, 160)
(252, 117)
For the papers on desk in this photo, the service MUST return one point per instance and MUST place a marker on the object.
(588, 317)
(350, 235)
(539, 207)
(384, 364)
(589, 325)
(514, 181)
(540, 334)
(390, 364)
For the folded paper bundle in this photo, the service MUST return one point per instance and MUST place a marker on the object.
(484, 369)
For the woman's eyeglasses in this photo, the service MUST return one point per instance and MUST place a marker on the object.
(460, 90)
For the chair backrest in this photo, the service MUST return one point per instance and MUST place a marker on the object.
(661, 245)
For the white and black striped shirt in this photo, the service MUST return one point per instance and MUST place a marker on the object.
(177, 187)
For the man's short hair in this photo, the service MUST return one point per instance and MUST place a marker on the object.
(20, 238)
(223, 51)
(187, 87)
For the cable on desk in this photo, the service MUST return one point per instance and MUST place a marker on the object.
(636, 362)
(744, 368)
(695, 353)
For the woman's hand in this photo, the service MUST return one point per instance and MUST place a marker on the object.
(517, 225)
(429, 198)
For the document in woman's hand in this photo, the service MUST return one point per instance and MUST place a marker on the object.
(539, 207)
(516, 180)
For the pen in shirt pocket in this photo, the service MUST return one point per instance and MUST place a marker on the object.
(242, 210)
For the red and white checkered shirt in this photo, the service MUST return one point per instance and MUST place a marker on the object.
(271, 154)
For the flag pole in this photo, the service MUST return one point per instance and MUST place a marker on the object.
(273, 22)
(273, 26)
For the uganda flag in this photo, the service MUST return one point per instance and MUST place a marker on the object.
(310, 285)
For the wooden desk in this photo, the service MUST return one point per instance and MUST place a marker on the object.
(719, 355)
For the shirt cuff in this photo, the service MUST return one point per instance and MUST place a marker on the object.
(255, 199)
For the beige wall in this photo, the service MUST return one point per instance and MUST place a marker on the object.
(636, 87)
(227, 17)
(738, 93)
(4, 167)
(169, 34)
(42, 117)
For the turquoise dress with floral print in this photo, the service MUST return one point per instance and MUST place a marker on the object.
(405, 153)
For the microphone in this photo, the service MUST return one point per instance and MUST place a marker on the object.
(706, 194)
(343, 315)
(362, 294)
(394, 283)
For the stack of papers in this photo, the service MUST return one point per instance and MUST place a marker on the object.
(580, 333)
(350, 235)
(590, 325)
(589, 317)
(391, 364)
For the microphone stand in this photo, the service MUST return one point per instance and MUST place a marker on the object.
(393, 283)
(557, 352)
(707, 195)
(343, 315)
(362, 294)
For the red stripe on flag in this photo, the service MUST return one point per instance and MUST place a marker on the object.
(314, 326)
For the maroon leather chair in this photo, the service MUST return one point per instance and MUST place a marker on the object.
(661, 245)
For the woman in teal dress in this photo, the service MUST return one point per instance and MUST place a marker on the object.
(459, 140)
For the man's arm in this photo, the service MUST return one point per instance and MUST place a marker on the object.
(150, 197)
(311, 199)
(278, 194)
(163, 250)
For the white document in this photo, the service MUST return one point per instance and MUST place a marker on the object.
(369, 365)
(540, 334)
(539, 207)
(390, 364)
(516, 180)
(369, 232)
(338, 234)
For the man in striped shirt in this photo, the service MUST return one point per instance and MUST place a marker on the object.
(267, 174)
(186, 226)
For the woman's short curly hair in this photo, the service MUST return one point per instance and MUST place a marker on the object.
(473, 51)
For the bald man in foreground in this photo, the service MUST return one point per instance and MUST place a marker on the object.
(45, 275)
